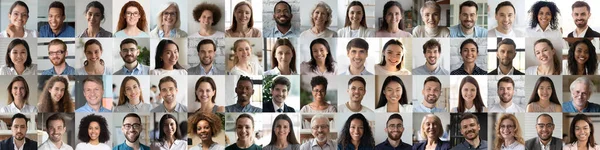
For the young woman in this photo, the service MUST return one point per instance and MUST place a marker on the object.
(581, 134)
(206, 126)
(55, 96)
(508, 134)
(94, 13)
(168, 23)
(432, 130)
(93, 65)
(469, 52)
(132, 21)
(208, 15)
(166, 60)
(544, 20)
(283, 58)
(320, 19)
(282, 136)
(582, 59)
(393, 96)
(319, 103)
(392, 61)
(430, 15)
(321, 60)
(169, 137)
(93, 133)
(18, 15)
(543, 98)
(244, 129)
(355, 25)
(130, 97)
(18, 59)
(244, 63)
(392, 24)
(356, 134)
(242, 22)
(206, 91)
(548, 60)
(469, 97)
(18, 95)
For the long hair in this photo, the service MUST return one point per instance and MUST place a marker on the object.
(477, 102)
(88, 43)
(12, 45)
(363, 21)
(9, 89)
(388, 43)
(284, 42)
(122, 96)
(65, 104)
(556, 59)
(291, 137)
(388, 5)
(162, 136)
(160, 49)
(591, 65)
(234, 22)
(498, 141)
(535, 9)
(236, 46)
(177, 16)
(142, 23)
(383, 100)
(208, 80)
(367, 138)
(329, 62)
(534, 95)
(582, 117)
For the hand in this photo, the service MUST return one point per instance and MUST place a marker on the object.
(12, 31)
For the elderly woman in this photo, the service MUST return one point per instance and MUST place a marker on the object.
(18, 15)
(244, 63)
(18, 59)
(355, 25)
(392, 62)
(544, 20)
(548, 60)
(430, 14)
(320, 19)
(94, 64)
(206, 126)
(242, 22)
(168, 23)
(167, 59)
(132, 21)
(392, 26)
(432, 130)
(508, 134)
(94, 13)
(208, 15)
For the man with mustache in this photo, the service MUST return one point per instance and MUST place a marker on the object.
(432, 50)
(545, 140)
(581, 14)
(132, 126)
(432, 89)
(469, 128)
(468, 19)
(93, 90)
(506, 53)
(244, 90)
(282, 14)
(55, 126)
(18, 141)
(581, 91)
(168, 92)
(356, 91)
(505, 15)
(357, 52)
(279, 92)
(206, 53)
(56, 26)
(506, 90)
(394, 128)
(57, 53)
(129, 53)
(319, 125)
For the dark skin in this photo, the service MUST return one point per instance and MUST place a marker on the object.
(244, 91)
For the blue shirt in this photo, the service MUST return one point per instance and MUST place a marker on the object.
(140, 69)
(125, 147)
(421, 108)
(65, 31)
(422, 70)
(274, 32)
(88, 108)
(478, 32)
(591, 107)
(239, 108)
(363, 72)
(161, 33)
(68, 71)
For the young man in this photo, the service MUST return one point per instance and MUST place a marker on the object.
(244, 91)
(93, 89)
(468, 20)
(206, 53)
(56, 127)
(394, 128)
(506, 54)
(132, 126)
(432, 50)
(356, 91)
(18, 141)
(168, 92)
(544, 140)
(432, 89)
(469, 128)
(282, 15)
(129, 53)
(56, 26)
(581, 14)
(505, 15)
(506, 90)
(357, 52)
(279, 92)
(57, 52)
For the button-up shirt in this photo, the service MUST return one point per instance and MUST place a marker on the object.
(545, 147)
(385, 145)
(591, 107)
(422, 70)
(539, 32)
(12, 108)
(478, 32)
(178, 108)
(276, 71)
(421, 108)
(88, 108)
(15, 145)
(274, 32)
(65, 31)
(363, 72)
(48, 145)
(314, 145)
(140, 69)
(514, 146)
(31, 70)
(239, 108)
(177, 145)
(199, 70)
(461, 71)
(124, 146)
(466, 146)
(127, 107)
(68, 71)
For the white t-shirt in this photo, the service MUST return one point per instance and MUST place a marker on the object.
(88, 146)
(342, 108)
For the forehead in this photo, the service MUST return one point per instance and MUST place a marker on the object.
(580, 9)
(395, 121)
(468, 121)
(132, 9)
(506, 47)
(129, 45)
(167, 84)
(91, 84)
(281, 6)
(356, 49)
(468, 9)
(432, 84)
(280, 86)
(243, 121)
(244, 83)
(580, 85)
(469, 45)
(429, 10)
(19, 121)
(56, 47)
(507, 121)
(544, 119)
(356, 84)
(56, 122)
(505, 84)
(506, 9)
(131, 120)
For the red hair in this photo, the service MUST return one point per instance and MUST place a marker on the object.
(142, 23)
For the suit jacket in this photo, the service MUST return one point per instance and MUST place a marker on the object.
(534, 144)
(588, 33)
(441, 145)
(8, 144)
(515, 72)
(268, 107)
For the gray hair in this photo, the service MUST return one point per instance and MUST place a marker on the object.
(165, 7)
(585, 80)
(327, 9)
(431, 4)
(317, 117)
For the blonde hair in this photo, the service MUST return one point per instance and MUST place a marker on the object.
(436, 120)
(235, 47)
(327, 9)
(163, 9)
(498, 141)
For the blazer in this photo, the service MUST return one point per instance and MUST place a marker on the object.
(8, 144)
(515, 72)
(442, 145)
(588, 33)
(534, 144)
(268, 107)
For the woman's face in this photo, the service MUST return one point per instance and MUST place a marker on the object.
(319, 52)
(469, 53)
(93, 16)
(169, 16)
(355, 14)
(283, 55)
(19, 16)
(203, 130)
(282, 128)
(544, 91)
(244, 129)
(319, 16)
(319, 92)
(206, 19)
(430, 17)
(544, 16)
(507, 129)
(94, 131)
(242, 15)
(205, 92)
(170, 55)
(356, 129)
(469, 91)
(57, 91)
(170, 127)
(544, 53)
(582, 130)
(393, 93)
(132, 16)
(132, 90)
(18, 55)
(393, 16)
(243, 51)
(18, 91)
(393, 55)
(430, 127)
(581, 53)
(93, 53)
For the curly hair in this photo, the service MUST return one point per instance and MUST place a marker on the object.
(214, 122)
(122, 96)
(318, 80)
(142, 23)
(65, 104)
(84, 124)
(536, 98)
(477, 102)
(160, 49)
(291, 137)
(329, 62)
(366, 139)
(383, 100)
(535, 9)
(498, 141)
(199, 9)
(590, 66)
(9, 89)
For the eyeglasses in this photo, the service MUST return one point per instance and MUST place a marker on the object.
(135, 126)
(317, 127)
(132, 14)
(56, 53)
(548, 125)
(395, 126)
(172, 14)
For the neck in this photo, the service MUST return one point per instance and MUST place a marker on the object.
(354, 106)
(284, 29)
(582, 143)
(94, 65)
(280, 105)
(505, 69)
(467, 31)
(356, 70)
(506, 105)
(207, 107)
(207, 143)
(502, 30)
(170, 106)
(356, 143)
(469, 67)
(281, 143)
(468, 105)
(475, 142)
(242, 28)
(580, 109)
(321, 144)
(354, 26)
(20, 68)
(543, 26)
(60, 68)
(581, 30)
(57, 31)
(135, 145)
(392, 107)
(19, 104)
(58, 144)
(394, 143)
(431, 67)
(242, 143)
(318, 29)
(134, 101)
(390, 67)
(508, 141)
(545, 142)
(431, 141)
(243, 103)
(430, 106)
(94, 142)
(95, 107)
(242, 64)
(167, 30)
(545, 69)
(284, 69)
(130, 66)
(18, 143)
(393, 28)
(206, 67)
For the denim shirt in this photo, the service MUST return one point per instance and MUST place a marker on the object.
(88, 108)
(68, 71)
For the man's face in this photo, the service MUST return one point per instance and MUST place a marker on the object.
(580, 94)
(506, 54)
(580, 16)
(505, 17)
(56, 128)
(92, 92)
(431, 92)
(357, 57)
(279, 93)
(19, 128)
(468, 17)
(544, 128)
(206, 54)
(57, 54)
(431, 55)
(55, 18)
(394, 129)
(505, 91)
(356, 90)
(282, 15)
(469, 128)
(168, 91)
(131, 128)
(129, 53)
(320, 129)
(244, 91)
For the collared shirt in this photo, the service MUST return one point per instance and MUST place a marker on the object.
(539, 32)
(421, 108)
(350, 146)
(124, 146)
(239, 108)
(314, 145)
(274, 32)
(422, 70)
(466, 146)
(31, 70)
(65, 31)
(591, 107)
(276, 108)
(363, 72)
(478, 32)
(177, 145)
(545, 147)
(101, 33)
(276, 71)
(514, 146)
(12, 108)
(199, 70)
(213, 146)
(88, 108)
(582, 33)
(385, 145)
(140, 69)
(26, 34)
(461, 71)
(15, 145)
(161, 33)
(48, 145)
(68, 71)
(127, 107)
(511, 72)
(178, 108)
(512, 108)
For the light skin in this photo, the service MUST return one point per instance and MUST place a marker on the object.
(544, 17)
(93, 53)
(355, 15)
(430, 127)
(205, 94)
(18, 56)
(18, 18)
(244, 91)
(468, 18)
(469, 91)
(320, 55)
(129, 53)
(170, 127)
(319, 17)
(57, 54)
(94, 18)
(55, 19)
(505, 17)
(242, 16)
(393, 17)
(357, 58)
(431, 92)
(18, 92)
(394, 55)
(170, 56)
(544, 128)
(505, 93)
(57, 91)
(320, 130)
(432, 55)
(94, 133)
(544, 92)
(19, 130)
(581, 93)
(132, 16)
(469, 56)
(279, 93)
(206, 21)
(92, 92)
(56, 128)
(544, 54)
(508, 131)
(133, 132)
(169, 18)
(133, 92)
(207, 56)
(357, 91)
(244, 130)
(284, 55)
(394, 129)
(168, 91)
(430, 17)
(283, 17)
(582, 133)
(356, 131)
(581, 57)
(282, 130)
(506, 54)
(204, 132)
(243, 52)
(393, 93)
(469, 128)
(581, 15)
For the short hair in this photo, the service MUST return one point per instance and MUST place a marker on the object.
(318, 80)
(9, 89)
(166, 79)
(437, 121)
(281, 80)
(431, 43)
(58, 42)
(505, 3)
(535, 9)
(18, 3)
(20, 115)
(206, 41)
(14, 43)
(242, 79)
(545, 115)
(506, 41)
(59, 5)
(358, 43)
(316, 117)
(580, 4)
(359, 79)
(466, 116)
(283, 2)
(134, 115)
(208, 80)
(363, 21)
(245, 116)
(128, 41)
(506, 79)
(431, 4)
(160, 49)
(327, 10)
(394, 116)
(590, 66)
(199, 9)
(84, 124)
(468, 3)
(585, 80)
(98, 5)
(213, 120)
(468, 41)
(94, 79)
(161, 134)
(55, 116)
(163, 9)
(142, 23)
(234, 22)
(432, 79)
(288, 43)
(123, 98)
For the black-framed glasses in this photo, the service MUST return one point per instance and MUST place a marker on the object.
(136, 126)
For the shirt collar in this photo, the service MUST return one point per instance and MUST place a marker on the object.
(161, 33)
(135, 107)
(275, 107)
(89, 108)
(66, 71)
(582, 33)
(510, 146)
(138, 68)
(165, 107)
(363, 72)
(538, 28)
(426, 108)
(203, 71)
(15, 144)
(511, 72)
(547, 146)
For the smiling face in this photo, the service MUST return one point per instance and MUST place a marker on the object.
(468, 92)
(430, 127)
(169, 16)
(581, 53)
(93, 53)
(243, 51)
(505, 17)
(132, 134)
(18, 91)
(132, 15)
(282, 129)
(55, 18)
(544, 53)
(206, 54)
(544, 91)
(505, 91)
(394, 129)
(582, 131)
(18, 16)
(468, 17)
(56, 129)
(170, 127)
(19, 128)
(93, 16)
(393, 93)
(205, 92)
(506, 54)
(244, 91)
(203, 130)
(544, 127)
(57, 91)
(356, 129)
(320, 129)
(355, 15)
(57, 54)
(279, 93)
(170, 55)
(283, 55)
(132, 90)
(319, 52)
(319, 16)
(129, 53)
(282, 15)
(206, 19)
(430, 17)
(356, 90)
(581, 94)
(393, 55)
(244, 129)
(319, 92)
(507, 129)
(357, 57)
(580, 16)
(242, 15)
(431, 55)
(469, 53)
(18, 55)
(93, 92)
(544, 16)
(393, 15)
(168, 91)
(469, 128)
(431, 92)
(94, 131)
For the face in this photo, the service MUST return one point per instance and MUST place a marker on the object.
(129, 53)
(284, 55)
(357, 57)
(55, 130)
(505, 91)
(19, 16)
(203, 130)
(393, 16)
(356, 129)
(19, 128)
(431, 92)
(581, 53)
(544, 16)
(57, 54)
(544, 53)
(169, 16)
(581, 94)
(244, 90)
(468, 17)
(131, 127)
(206, 54)
(170, 55)
(356, 90)
(469, 53)
(132, 90)
(282, 128)
(507, 129)
(582, 130)
(57, 91)
(319, 92)
(393, 93)
(205, 92)
(282, 15)
(93, 53)
(18, 55)
(93, 16)
(244, 129)
(168, 91)
(93, 92)
(393, 54)
(132, 16)
(432, 55)
(55, 18)
(279, 93)
(355, 14)
(94, 130)
(545, 91)
(544, 128)
(170, 127)
(394, 129)
(319, 16)
(430, 17)
(319, 52)
(469, 128)
(469, 92)
(506, 54)
(18, 91)
(430, 127)
(580, 16)
(505, 17)
(243, 51)
(242, 15)
(206, 19)
(320, 129)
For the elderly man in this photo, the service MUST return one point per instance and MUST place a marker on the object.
(319, 125)
(581, 91)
